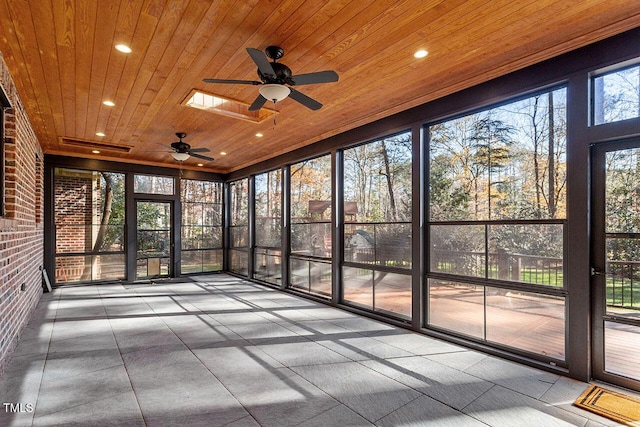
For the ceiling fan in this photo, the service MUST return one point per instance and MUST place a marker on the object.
(276, 80)
(182, 151)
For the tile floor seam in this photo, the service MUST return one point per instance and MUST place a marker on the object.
(421, 392)
(338, 403)
(569, 413)
(374, 353)
(44, 365)
(398, 408)
(144, 420)
(206, 367)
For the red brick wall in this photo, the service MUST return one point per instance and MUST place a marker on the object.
(21, 227)
(74, 205)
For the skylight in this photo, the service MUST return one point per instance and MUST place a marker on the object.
(205, 101)
(227, 107)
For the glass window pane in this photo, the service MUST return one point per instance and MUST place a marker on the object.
(268, 232)
(393, 245)
(212, 260)
(239, 236)
(457, 249)
(201, 225)
(267, 265)
(89, 219)
(529, 253)
(312, 239)
(268, 204)
(191, 237)
(622, 343)
(73, 269)
(239, 203)
(320, 278)
(377, 180)
(90, 268)
(239, 261)
(73, 238)
(506, 162)
(311, 190)
(359, 243)
(622, 199)
(151, 184)
(393, 293)
(457, 307)
(527, 321)
(191, 262)
(616, 96)
(108, 267)
(623, 276)
(299, 274)
(358, 286)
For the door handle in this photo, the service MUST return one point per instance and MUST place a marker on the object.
(595, 271)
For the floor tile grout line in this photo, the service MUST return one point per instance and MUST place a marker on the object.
(289, 368)
(115, 339)
(205, 366)
(44, 365)
(398, 408)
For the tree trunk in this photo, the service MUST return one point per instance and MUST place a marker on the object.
(536, 163)
(552, 166)
(104, 222)
(387, 174)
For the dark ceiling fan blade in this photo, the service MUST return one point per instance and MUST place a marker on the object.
(200, 156)
(261, 61)
(168, 147)
(304, 100)
(258, 103)
(312, 78)
(239, 82)
(199, 150)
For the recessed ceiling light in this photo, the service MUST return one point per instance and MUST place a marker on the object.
(95, 151)
(420, 53)
(99, 133)
(223, 153)
(200, 164)
(108, 103)
(123, 48)
(259, 135)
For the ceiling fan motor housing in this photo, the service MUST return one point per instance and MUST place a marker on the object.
(180, 147)
(283, 75)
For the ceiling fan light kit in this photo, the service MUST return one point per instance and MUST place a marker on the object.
(276, 79)
(181, 151)
(181, 157)
(274, 92)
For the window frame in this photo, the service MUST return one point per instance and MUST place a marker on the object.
(4, 105)
(602, 72)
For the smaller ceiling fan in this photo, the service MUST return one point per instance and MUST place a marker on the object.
(276, 80)
(182, 151)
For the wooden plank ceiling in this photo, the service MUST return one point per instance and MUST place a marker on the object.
(61, 55)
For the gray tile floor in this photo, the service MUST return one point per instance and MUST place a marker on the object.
(222, 351)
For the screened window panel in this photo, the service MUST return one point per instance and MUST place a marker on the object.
(526, 321)
(457, 307)
(527, 253)
(357, 286)
(457, 249)
(393, 293)
(151, 184)
(616, 96)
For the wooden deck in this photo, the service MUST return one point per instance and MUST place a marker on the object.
(521, 320)
(622, 350)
